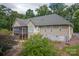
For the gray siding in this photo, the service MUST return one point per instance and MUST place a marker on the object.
(56, 31)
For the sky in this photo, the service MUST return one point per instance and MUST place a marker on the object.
(23, 7)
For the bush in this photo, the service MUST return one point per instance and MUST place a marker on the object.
(38, 46)
(4, 32)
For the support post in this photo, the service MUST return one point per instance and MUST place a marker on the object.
(25, 32)
(22, 33)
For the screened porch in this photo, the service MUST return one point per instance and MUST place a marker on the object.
(20, 32)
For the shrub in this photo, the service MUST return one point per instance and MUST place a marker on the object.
(4, 32)
(38, 46)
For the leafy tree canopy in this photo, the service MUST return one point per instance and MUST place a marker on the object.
(57, 8)
(29, 13)
(43, 10)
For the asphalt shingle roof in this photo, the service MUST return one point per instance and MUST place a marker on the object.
(52, 19)
(21, 22)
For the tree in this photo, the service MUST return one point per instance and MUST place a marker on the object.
(57, 8)
(3, 23)
(11, 18)
(72, 15)
(21, 16)
(75, 21)
(29, 13)
(4, 14)
(7, 17)
(43, 10)
(70, 11)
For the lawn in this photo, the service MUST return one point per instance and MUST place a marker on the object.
(72, 50)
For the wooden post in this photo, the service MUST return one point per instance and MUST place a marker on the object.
(25, 32)
(22, 33)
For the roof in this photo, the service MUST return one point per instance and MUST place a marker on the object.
(52, 19)
(21, 22)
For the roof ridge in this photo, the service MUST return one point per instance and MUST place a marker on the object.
(42, 16)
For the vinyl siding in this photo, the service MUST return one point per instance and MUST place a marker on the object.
(60, 30)
(56, 30)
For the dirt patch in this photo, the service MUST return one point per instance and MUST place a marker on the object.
(74, 41)
(15, 50)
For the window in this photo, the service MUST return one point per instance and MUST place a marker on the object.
(16, 29)
(30, 29)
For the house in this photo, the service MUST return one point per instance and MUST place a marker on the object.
(52, 26)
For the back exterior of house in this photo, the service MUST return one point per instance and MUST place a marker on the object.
(53, 27)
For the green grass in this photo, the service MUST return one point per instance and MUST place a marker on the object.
(72, 50)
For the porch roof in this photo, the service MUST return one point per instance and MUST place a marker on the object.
(21, 22)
